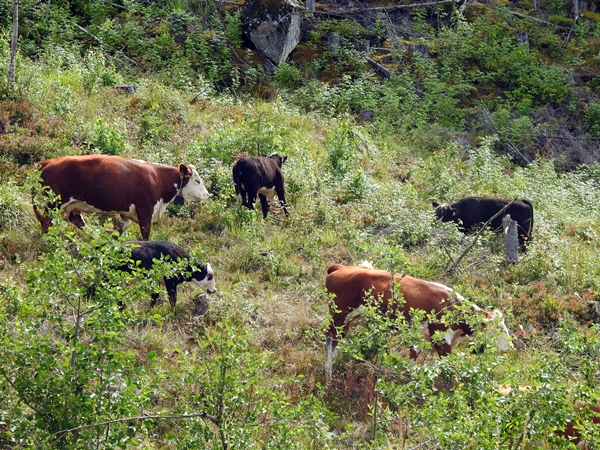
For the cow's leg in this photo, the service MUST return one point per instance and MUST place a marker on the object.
(251, 199)
(281, 195)
(145, 221)
(414, 354)
(444, 347)
(241, 195)
(154, 299)
(264, 204)
(76, 218)
(171, 286)
(425, 332)
(246, 199)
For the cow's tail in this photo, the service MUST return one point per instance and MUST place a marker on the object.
(237, 183)
(531, 220)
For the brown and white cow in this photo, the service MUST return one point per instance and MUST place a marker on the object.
(137, 190)
(259, 176)
(349, 284)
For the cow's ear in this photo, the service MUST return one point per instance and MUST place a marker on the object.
(184, 171)
(434, 204)
(283, 159)
(454, 212)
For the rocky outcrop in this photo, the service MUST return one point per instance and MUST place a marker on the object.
(273, 26)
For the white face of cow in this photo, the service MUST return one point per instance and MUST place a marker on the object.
(495, 320)
(194, 189)
(207, 282)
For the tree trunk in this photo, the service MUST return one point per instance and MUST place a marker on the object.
(47, 12)
(310, 5)
(511, 240)
(13, 43)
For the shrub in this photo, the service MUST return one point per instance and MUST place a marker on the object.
(560, 20)
(287, 76)
(339, 148)
(109, 139)
(97, 73)
(65, 358)
(592, 118)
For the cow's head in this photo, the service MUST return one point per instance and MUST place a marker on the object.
(445, 212)
(497, 327)
(204, 277)
(192, 187)
(278, 159)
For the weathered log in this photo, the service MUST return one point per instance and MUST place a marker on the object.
(379, 69)
(511, 240)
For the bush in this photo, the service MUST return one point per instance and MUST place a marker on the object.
(287, 76)
(65, 358)
(109, 139)
(97, 73)
(592, 119)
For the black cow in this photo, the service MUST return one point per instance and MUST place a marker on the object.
(262, 176)
(146, 252)
(471, 211)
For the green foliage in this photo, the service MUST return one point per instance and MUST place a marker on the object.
(287, 76)
(228, 378)
(65, 358)
(97, 73)
(109, 139)
(152, 128)
(350, 95)
(592, 16)
(523, 80)
(560, 20)
(12, 208)
(209, 54)
(347, 30)
(233, 29)
(592, 118)
(340, 148)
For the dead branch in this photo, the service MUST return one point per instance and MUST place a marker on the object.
(394, 7)
(102, 45)
(525, 16)
(379, 69)
(468, 249)
(486, 118)
(138, 418)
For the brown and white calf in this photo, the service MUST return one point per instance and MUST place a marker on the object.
(137, 190)
(350, 284)
(262, 176)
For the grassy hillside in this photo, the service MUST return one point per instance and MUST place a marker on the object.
(249, 372)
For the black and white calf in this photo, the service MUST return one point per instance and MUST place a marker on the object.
(147, 252)
(262, 176)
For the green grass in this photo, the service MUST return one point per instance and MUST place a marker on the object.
(354, 194)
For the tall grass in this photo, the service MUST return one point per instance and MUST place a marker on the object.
(255, 360)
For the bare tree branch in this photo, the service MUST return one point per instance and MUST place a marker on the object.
(13, 43)
(468, 249)
(138, 418)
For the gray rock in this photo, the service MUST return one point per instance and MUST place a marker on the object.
(273, 27)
